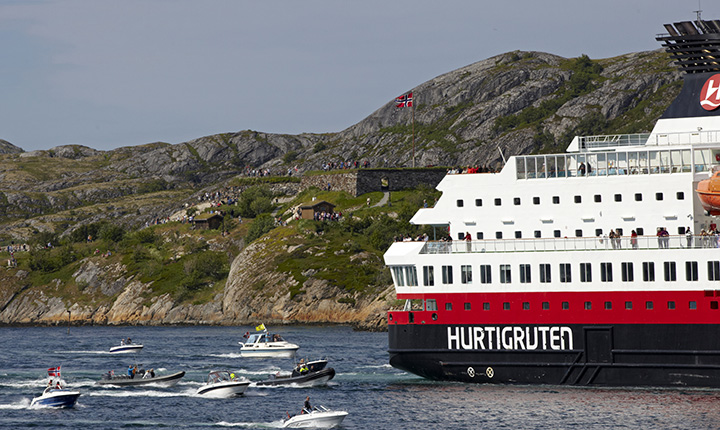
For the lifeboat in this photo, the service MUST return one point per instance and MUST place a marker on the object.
(708, 191)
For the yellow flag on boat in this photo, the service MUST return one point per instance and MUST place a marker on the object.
(261, 327)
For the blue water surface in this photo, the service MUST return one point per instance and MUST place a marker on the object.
(375, 395)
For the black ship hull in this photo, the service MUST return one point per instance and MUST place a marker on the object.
(685, 355)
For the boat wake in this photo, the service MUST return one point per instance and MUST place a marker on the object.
(22, 404)
(138, 393)
(272, 424)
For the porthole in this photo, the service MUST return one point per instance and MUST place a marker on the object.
(434, 316)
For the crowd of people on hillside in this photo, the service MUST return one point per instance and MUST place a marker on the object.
(342, 165)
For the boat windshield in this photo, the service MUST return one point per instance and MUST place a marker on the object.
(218, 376)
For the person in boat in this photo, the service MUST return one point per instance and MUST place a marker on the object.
(129, 341)
(149, 374)
(122, 342)
(307, 407)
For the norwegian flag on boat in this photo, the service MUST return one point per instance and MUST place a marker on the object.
(405, 100)
(54, 371)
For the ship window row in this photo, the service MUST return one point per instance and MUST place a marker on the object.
(611, 163)
(598, 232)
(586, 305)
(577, 198)
(586, 272)
(431, 305)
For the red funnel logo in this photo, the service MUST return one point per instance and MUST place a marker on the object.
(710, 94)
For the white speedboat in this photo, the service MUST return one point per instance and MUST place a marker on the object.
(56, 396)
(126, 347)
(318, 417)
(261, 345)
(223, 384)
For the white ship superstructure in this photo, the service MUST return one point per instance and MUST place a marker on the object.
(596, 266)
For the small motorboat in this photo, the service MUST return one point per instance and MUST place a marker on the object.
(142, 378)
(264, 344)
(304, 374)
(55, 394)
(318, 417)
(223, 384)
(126, 346)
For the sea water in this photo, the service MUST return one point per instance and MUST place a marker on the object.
(375, 395)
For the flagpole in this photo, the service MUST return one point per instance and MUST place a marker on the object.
(413, 129)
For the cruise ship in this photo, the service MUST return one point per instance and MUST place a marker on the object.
(596, 267)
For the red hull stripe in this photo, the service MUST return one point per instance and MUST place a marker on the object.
(647, 307)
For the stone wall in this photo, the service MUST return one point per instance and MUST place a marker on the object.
(357, 182)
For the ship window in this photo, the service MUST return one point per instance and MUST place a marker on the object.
(431, 305)
(516, 201)
(692, 304)
(618, 197)
(680, 195)
(606, 272)
(598, 198)
(524, 273)
(608, 306)
(658, 196)
(556, 233)
(681, 230)
(505, 274)
(649, 305)
(478, 202)
(546, 305)
(460, 203)
(598, 232)
(585, 272)
(537, 234)
(411, 276)
(691, 271)
(638, 197)
(671, 305)
(670, 271)
(544, 273)
(518, 234)
(506, 306)
(588, 306)
(578, 233)
(556, 200)
(714, 304)
(565, 305)
(628, 274)
(479, 235)
(447, 277)
(485, 275)
(578, 199)
(640, 231)
(466, 274)
(467, 306)
(428, 276)
(618, 232)
(498, 202)
(713, 270)
(448, 306)
(708, 293)
(486, 306)
(498, 235)
(399, 277)
(461, 236)
(565, 275)
(628, 306)
(536, 200)
(649, 271)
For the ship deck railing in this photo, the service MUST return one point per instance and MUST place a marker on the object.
(570, 244)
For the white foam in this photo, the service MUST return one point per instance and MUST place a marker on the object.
(22, 404)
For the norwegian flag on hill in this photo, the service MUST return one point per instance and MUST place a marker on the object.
(405, 100)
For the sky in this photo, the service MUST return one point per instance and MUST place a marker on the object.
(111, 73)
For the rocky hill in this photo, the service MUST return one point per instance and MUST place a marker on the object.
(515, 103)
